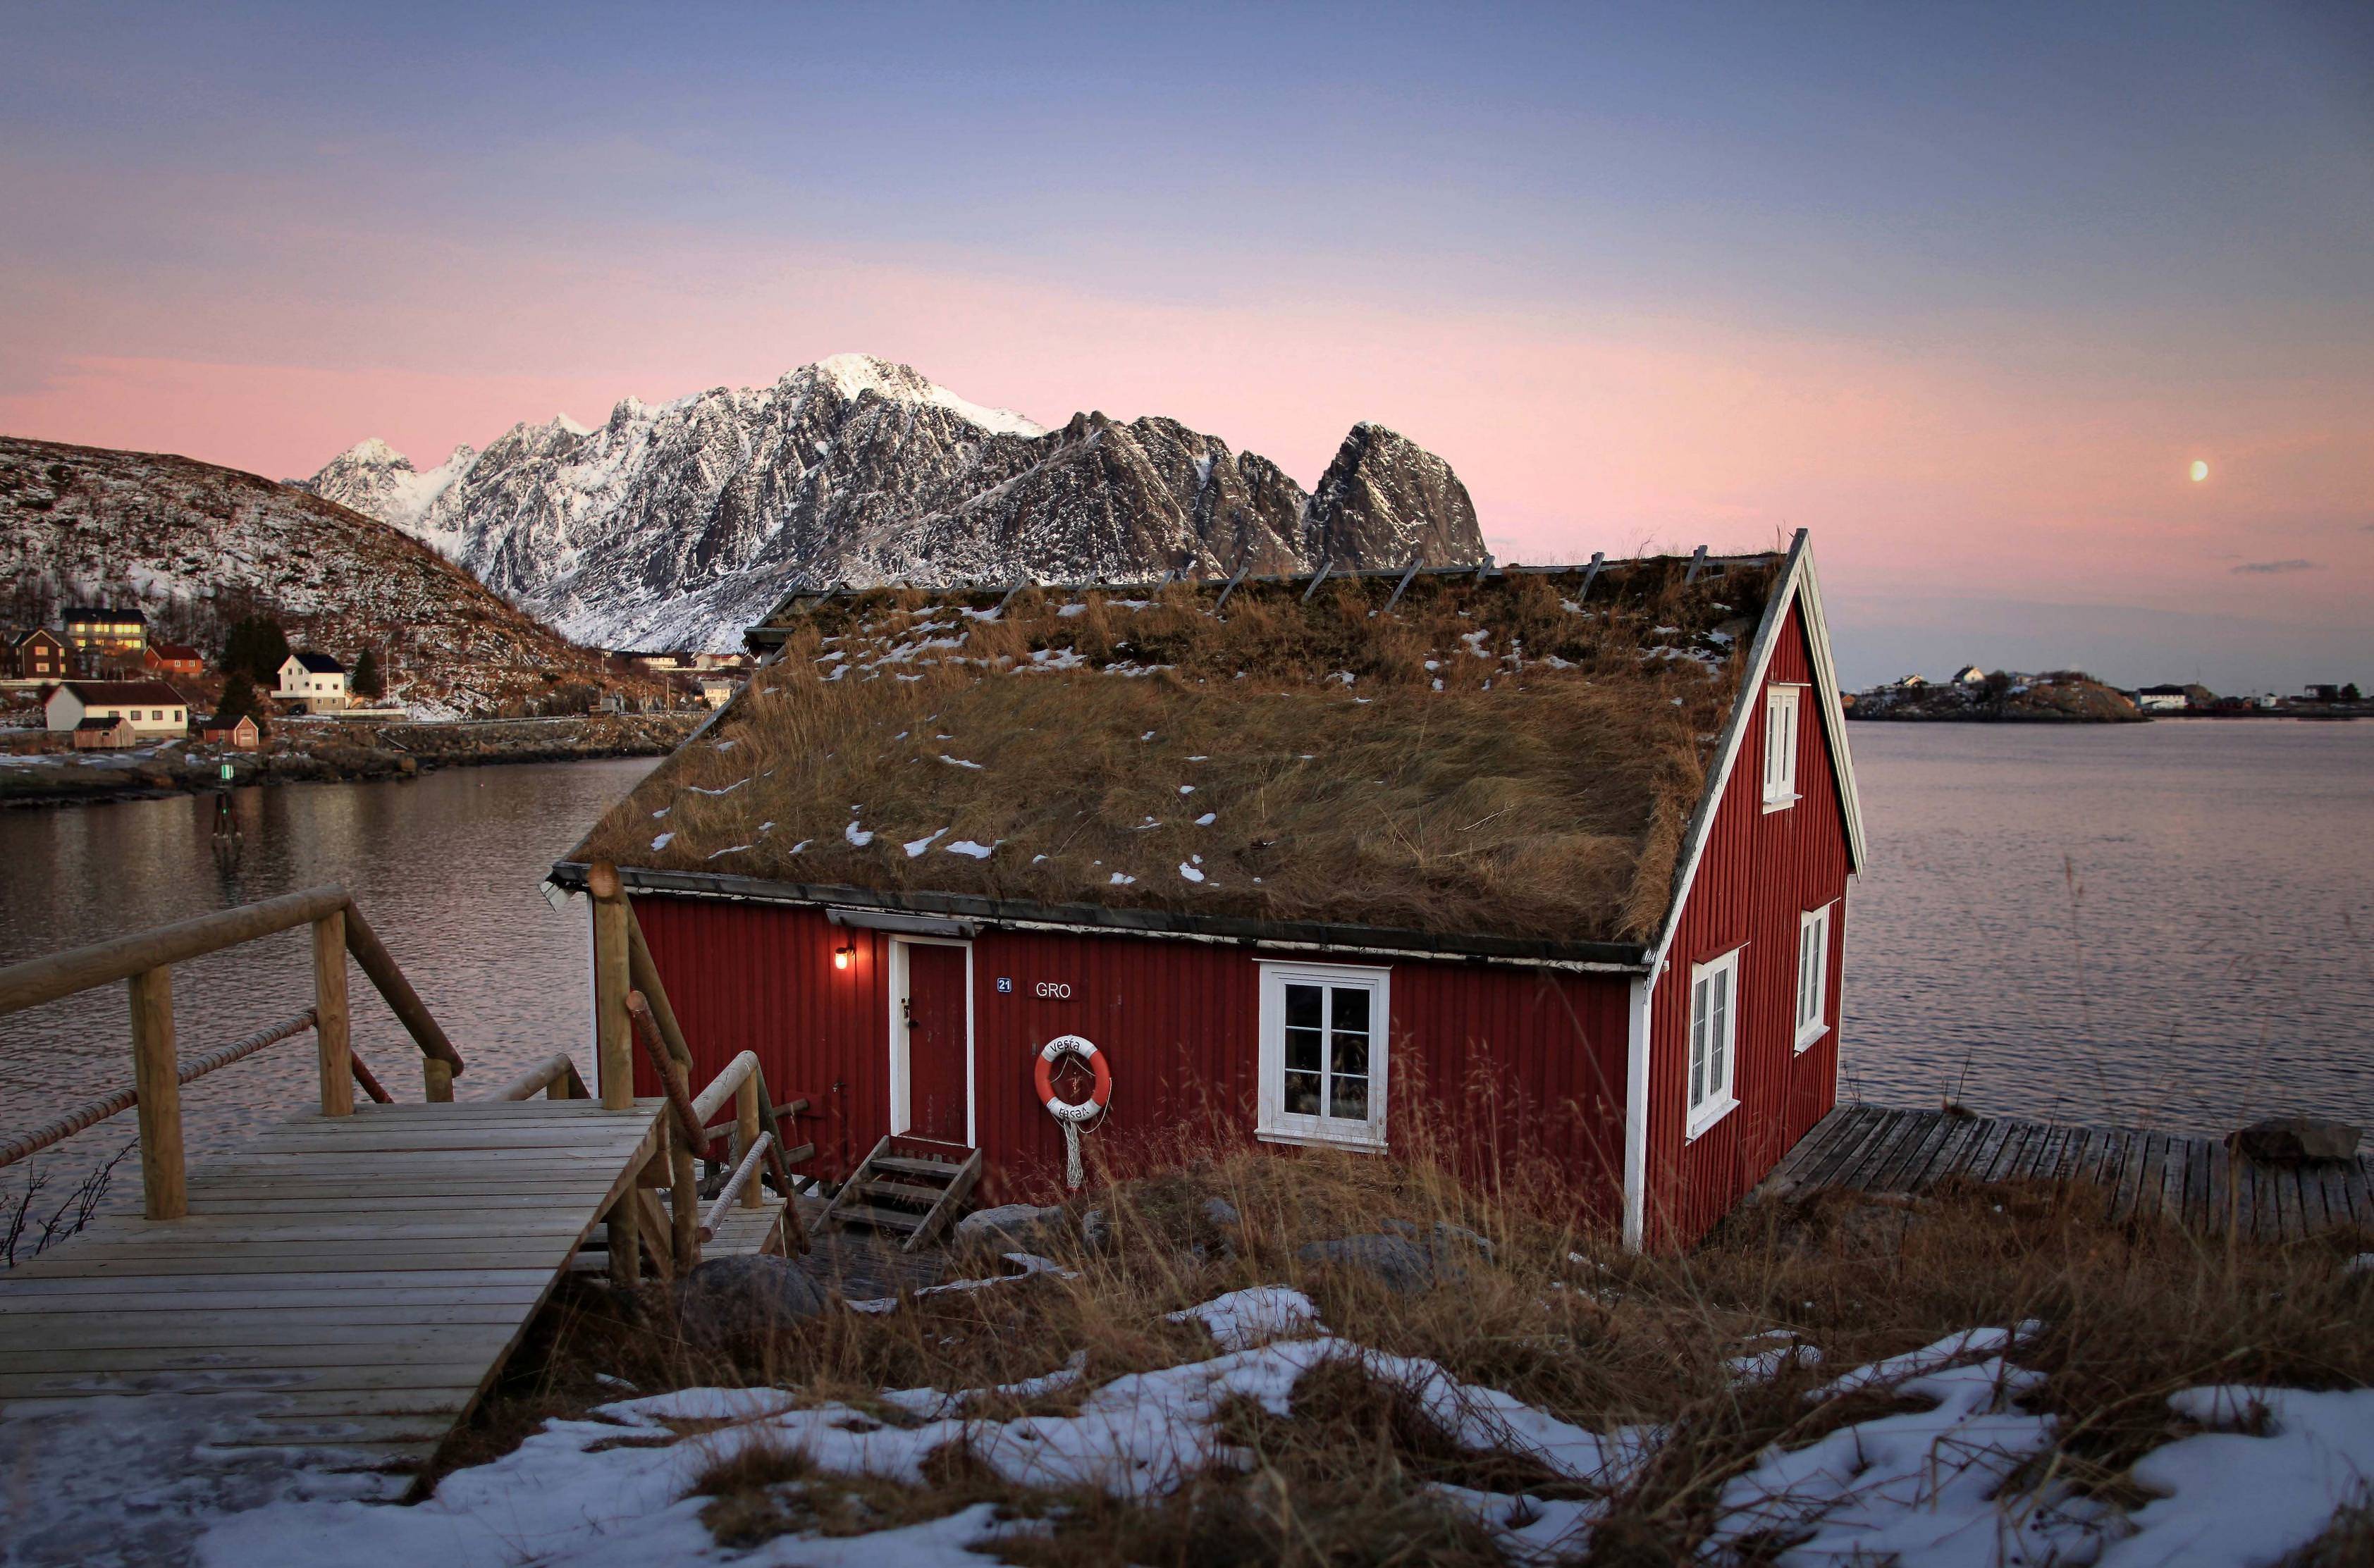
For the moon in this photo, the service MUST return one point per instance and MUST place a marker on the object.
(2200, 471)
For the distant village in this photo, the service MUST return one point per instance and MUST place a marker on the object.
(98, 681)
(1972, 693)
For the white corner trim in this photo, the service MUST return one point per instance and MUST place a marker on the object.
(1636, 1113)
(1796, 584)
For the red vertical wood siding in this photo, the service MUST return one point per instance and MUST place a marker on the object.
(1502, 1061)
(1759, 872)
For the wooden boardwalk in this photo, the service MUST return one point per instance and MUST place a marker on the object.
(2192, 1181)
(366, 1274)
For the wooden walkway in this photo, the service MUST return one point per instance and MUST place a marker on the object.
(2193, 1181)
(369, 1273)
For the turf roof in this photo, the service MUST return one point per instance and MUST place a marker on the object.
(1512, 757)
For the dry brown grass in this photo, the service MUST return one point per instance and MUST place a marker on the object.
(1540, 792)
(1553, 1314)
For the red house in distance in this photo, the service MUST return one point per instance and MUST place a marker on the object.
(1555, 859)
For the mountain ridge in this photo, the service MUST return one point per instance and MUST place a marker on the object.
(680, 523)
(198, 546)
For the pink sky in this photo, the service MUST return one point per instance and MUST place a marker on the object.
(1972, 339)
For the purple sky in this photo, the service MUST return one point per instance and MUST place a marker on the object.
(1966, 291)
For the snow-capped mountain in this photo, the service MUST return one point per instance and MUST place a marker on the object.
(198, 546)
(678, 524)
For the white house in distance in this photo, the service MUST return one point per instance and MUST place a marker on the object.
(152, 708)
(1969, 675)
(2163, 699)
(316, 682)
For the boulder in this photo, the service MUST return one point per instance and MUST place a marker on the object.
(2294, 1140)
(1010, 1227)
(1398, 1263)
(1096, 1230)
(1221, 1214)
(727, 1300)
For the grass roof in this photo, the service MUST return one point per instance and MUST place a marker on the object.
(1491, 758)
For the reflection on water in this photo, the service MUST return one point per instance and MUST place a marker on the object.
(445, 868)
(2169, 924)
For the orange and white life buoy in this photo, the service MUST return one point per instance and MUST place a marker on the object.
(1071, 1113)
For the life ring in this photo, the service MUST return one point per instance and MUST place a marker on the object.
(1065, 1110)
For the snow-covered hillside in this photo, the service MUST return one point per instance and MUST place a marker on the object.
(677, 524)
(198, 546)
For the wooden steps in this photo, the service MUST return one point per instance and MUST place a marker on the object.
(365, 1277)
(2194, 1182)
(908, 1187)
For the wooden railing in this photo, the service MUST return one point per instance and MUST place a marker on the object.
(630, 1004)
(144, 961)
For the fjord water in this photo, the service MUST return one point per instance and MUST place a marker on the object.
(445, 866)
(2168, 924)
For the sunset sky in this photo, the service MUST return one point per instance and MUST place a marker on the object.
(1966, 291)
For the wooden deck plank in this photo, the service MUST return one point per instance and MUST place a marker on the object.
(1942, 1159)
(369, 1274)
(2361, 1192)
(2007, 1152)
(1851, 1136)
(1791, 1173)
(1979, 1157)
(1856, 1174)
(2287, 1200)
(1903, 1174)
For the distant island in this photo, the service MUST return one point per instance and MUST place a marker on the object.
(2072, 697)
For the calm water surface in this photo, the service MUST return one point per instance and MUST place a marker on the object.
(2167, 924)
(445, 866)
(2170, 924)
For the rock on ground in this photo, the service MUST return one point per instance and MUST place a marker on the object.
(2292, 1139)
(1010, 1227)
(728, 1299)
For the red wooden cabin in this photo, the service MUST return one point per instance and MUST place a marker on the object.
(1665, 1040)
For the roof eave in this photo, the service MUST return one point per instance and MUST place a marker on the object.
(1611, 956)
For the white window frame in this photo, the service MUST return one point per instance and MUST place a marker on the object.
(1717, 979)
(1783, 707)
(1813, 975)
(1275, 1124)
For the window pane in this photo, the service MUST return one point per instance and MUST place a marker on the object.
(1351, 1009)
(1302, 1094)
(1697, 1078)
(1303, 1004)
(1302, 1051)
(1350, 1099)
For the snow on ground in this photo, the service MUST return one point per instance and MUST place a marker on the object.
(143, 1479)
(1242, 1319)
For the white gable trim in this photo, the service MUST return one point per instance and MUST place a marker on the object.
(1796, 585)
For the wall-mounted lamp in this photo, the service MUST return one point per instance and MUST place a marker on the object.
(844, 956)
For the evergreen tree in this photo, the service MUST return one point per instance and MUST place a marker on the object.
(367, 680)
(258, 647)
(239, 699)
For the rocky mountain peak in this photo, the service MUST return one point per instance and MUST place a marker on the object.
(1385, 499)
(677, 524)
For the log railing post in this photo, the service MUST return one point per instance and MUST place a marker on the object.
(156, 1076)
(436, 1081)
(330, 1014)
(684, 1181)
(613, 1037)
(626, 1240)
(745, 1136)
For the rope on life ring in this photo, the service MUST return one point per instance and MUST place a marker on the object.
(1067, 1113)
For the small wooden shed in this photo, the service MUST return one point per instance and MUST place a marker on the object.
(1542, 864)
